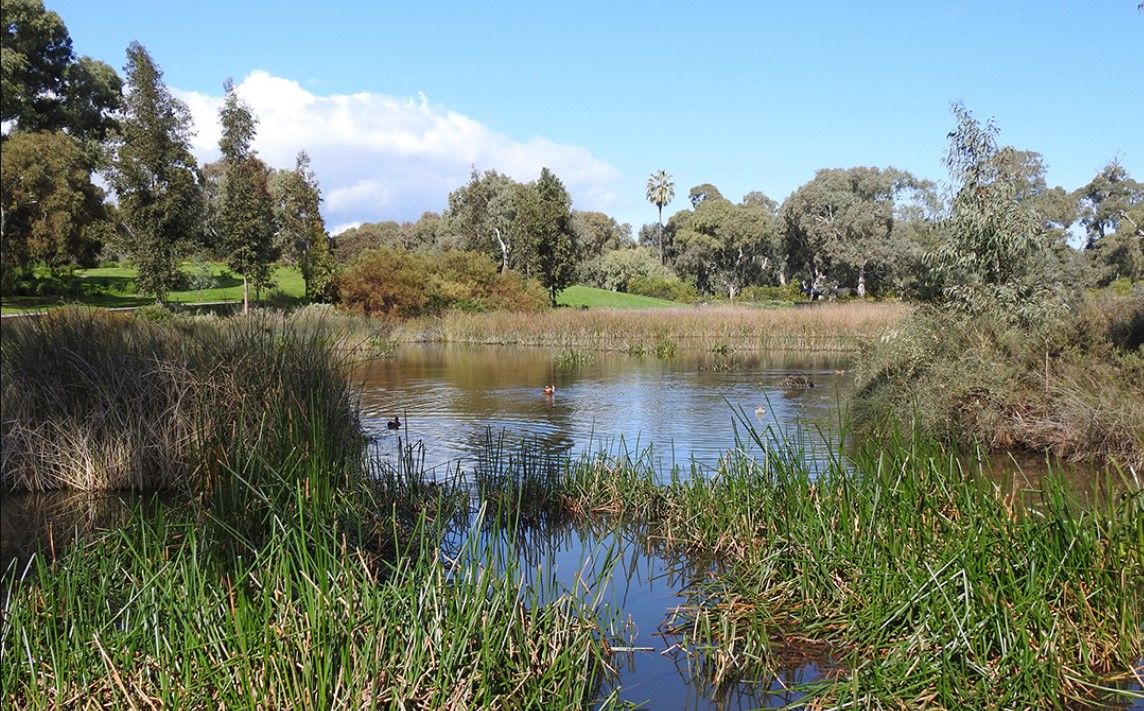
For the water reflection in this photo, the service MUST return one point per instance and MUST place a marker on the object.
(685, 409)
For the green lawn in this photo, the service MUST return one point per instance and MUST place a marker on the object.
(592, 297)
(114, 287)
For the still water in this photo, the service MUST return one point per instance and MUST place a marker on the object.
(689, 409)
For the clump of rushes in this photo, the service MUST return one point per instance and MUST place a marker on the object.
(102, 401)
(339, 605)
(928, 584)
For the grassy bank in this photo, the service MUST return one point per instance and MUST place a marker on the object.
(114, 287)
(1075, 388)
(826, 327)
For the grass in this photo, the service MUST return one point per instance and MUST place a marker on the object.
(923, 583)
(580, 296)
(114, 287)
(827, 327)
(94, 400)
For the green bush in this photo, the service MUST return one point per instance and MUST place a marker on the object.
(399, 283)
(672, 288)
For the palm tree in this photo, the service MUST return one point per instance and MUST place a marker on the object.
(660, 191)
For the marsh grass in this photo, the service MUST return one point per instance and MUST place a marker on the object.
(931, 586)
(103, 401)
(337, 604)
(827, 327)
(1073, 389)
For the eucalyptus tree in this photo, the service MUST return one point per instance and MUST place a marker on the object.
(49, 207)
(483, 215)
(301, 230)
(598, 233)
(1106, 199)
(57, 110)
(660, 192)
(44, 86)
(155, 176)
(246, 214)
(842, 221)
(995, 256)
(724, 246)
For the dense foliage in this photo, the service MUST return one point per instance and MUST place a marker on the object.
(392, 282)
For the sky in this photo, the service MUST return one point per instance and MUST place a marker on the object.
(397, 102)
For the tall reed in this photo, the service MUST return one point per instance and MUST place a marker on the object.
(102, 401)
(185, 610)
(929, 584)
(829, 327)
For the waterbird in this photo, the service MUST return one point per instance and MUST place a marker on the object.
(760, 410)
(549, 390)
(394, 424)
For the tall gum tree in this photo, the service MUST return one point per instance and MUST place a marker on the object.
(246, 215)
(155, 177)
(995, 256)
(301, 229)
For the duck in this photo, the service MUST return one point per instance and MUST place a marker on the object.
(549, 390)
(760, 410)
(394, 424)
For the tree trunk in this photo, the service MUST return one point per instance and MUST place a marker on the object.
(662, 257)
(862, 282)
(245, 295)
(504, 248)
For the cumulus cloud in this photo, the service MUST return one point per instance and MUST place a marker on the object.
(381, 157)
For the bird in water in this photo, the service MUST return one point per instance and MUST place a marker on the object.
(549, 390)
(394, 424)
(760, 410)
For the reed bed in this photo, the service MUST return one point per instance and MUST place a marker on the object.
(921, 581)
(826, 327)
(94, 400)
(341, 604)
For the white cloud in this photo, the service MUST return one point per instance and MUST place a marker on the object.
(381, 157)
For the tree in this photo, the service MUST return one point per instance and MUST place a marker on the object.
(660, 192)
(546, 217)
(843, 221)
(155, 176)
(483, 214)
(994, 256)
(48, 204)
(1104, 201)
(725, 245)
(704, 191)
(43, 85)
(246, 216)
(301, 229)
(597, 233)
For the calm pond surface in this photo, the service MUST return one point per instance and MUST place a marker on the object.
(685, 408)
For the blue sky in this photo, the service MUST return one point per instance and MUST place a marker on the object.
(395, 101)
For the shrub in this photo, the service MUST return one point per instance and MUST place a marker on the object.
(672, 288)
(399, 283)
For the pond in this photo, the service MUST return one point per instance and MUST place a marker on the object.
(688, 409)
(684, 412)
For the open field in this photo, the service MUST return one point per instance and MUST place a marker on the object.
(114, 287)
(580, 296)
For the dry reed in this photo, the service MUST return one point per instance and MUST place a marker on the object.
(826, 327)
